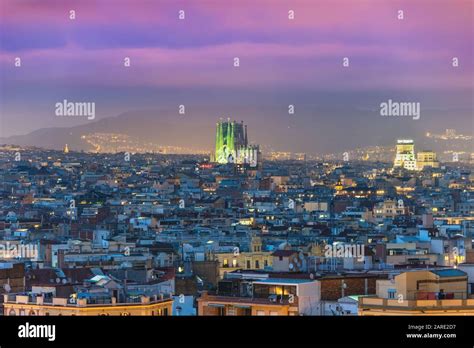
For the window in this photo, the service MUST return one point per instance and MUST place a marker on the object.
(248, 264)
(260, 312)
(265, 263)
(392, 293)
(234, 263)
(257, 264)
(226, 263)
(273, 313)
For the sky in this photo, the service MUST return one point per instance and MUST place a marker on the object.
(282, 61)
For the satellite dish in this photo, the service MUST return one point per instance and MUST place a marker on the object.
(311, 276)
(58, 280)
(290, 266)
(7, 287)
(64, 281)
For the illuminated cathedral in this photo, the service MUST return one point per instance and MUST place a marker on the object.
(232, 144)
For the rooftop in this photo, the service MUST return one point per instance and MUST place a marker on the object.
(283, 281)
(449, 273)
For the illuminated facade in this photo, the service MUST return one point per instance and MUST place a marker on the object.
(256, 259)
(28, 305)
(426, 159)
(232, 144)
(430, 292)
(267, 297)
(405, 155)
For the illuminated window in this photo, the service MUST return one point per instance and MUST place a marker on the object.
(234, 263)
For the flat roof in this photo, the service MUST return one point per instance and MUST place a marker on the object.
(449, 273)
(283, 281)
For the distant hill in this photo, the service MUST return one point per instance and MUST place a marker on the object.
(156, 126)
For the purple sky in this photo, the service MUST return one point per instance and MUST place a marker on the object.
(282, 61)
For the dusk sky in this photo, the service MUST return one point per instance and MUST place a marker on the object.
(282, 62)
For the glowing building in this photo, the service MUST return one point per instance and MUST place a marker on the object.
(405, 155)
(232, 144)
(36, 304)
(426, 159)
(423, 292)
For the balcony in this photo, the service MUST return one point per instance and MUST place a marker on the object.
(372, 302)
(28, 299)
(249, 301)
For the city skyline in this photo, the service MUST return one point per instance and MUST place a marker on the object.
(208, 160)
(282, 62)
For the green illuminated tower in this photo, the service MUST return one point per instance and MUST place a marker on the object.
(231, 140)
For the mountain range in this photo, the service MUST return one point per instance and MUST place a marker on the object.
(168, 129)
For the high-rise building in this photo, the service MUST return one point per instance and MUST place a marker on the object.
(426, 159)
(232, 144)
(405, 155)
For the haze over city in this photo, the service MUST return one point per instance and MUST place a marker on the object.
(190, 62)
